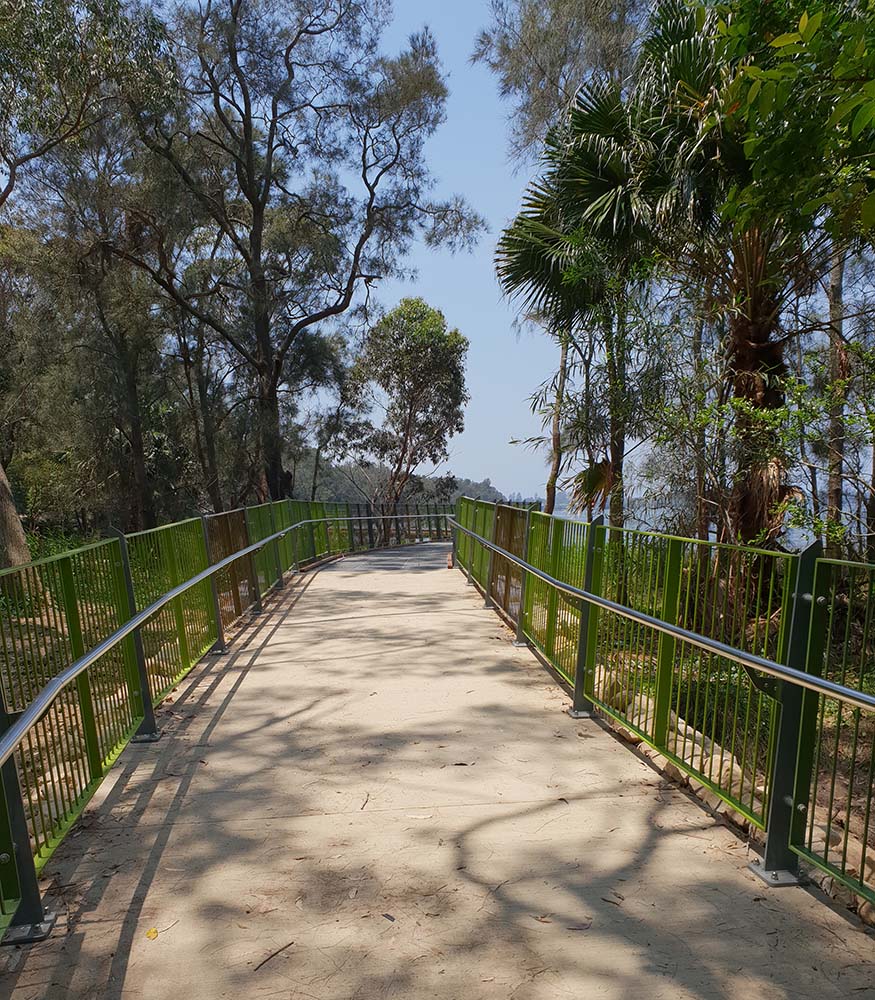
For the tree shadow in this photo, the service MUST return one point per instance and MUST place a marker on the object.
(368, 798)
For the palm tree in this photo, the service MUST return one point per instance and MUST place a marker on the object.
(643, 172)
(577, 267)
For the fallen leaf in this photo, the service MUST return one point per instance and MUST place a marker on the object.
(152, 933)
(580, 927)
(543, 919)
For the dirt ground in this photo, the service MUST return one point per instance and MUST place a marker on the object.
(376, 795)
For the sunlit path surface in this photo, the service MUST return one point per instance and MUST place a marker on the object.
(376, 795)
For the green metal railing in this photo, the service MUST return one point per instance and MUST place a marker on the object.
(835, 827)
(54, 611)
(796, 763)
(176, 638)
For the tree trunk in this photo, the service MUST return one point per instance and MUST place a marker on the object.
(870, 514)
(703, 517)
(760, 472)
(615, 350)
(13, 543)
(208, 422)
(838, 364)
(269, 371)
(317, 459)
(271, 438)
(202, 417)
(556, 430)
(757, 371)
(144, 505)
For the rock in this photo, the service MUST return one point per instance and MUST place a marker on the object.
(627, 734)
(835, 836)
(711, 800)
(615, 692)
(866, 911)
(672, 771)
(733, 815)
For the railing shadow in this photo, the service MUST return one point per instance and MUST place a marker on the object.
(545, 867)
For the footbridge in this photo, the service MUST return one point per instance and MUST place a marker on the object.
(430, 754)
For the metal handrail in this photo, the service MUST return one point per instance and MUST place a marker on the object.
(819, 685)
(30, 716)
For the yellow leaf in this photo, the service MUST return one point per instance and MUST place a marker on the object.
(152, 933)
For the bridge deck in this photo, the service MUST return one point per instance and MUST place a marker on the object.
(376, 795)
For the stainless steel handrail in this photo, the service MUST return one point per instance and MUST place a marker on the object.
(766, 666)
(43, 700)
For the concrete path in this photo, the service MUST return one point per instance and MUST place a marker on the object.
(376, 795)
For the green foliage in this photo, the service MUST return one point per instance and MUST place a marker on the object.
(61, 64)
(803, 89)
(411, 369)
(541, 51)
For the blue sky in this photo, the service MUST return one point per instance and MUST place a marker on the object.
(469, 155)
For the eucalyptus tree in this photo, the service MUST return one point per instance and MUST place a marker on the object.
(303, 145)
(61, 64)
(542, 51)
(410, 375)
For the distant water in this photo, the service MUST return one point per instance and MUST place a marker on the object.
(793, 540)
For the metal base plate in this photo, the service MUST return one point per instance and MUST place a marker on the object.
(29, 933)
(778, 878)
(576, 714)
(146, 737)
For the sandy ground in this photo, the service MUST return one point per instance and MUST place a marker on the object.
(376, 795)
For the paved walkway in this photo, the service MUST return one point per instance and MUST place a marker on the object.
(376, 795)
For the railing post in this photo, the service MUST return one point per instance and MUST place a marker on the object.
(178, 609)
(557, 533)
(295, 561)
(83, 681)
(30, 922)
(147, 731)
(312, 528)
(520, 639)
(780, 864)
(254, 582)
(470, 580)
(490, 565)
(581, 705)
(671, 593)
(351, 527)
(219, 646)
(371, 544)
(233, 569)
(275, 544)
